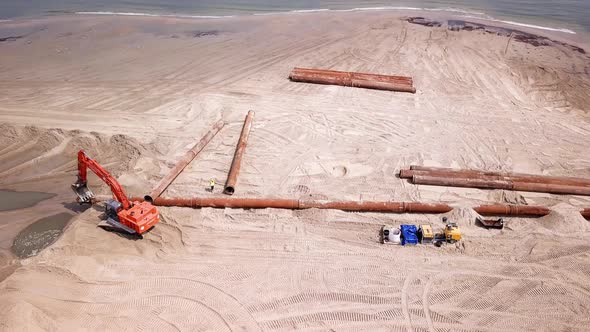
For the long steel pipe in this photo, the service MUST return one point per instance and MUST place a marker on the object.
(500, 184)
(360, 206)
(236, 163)
(185, 160)
(468, 173)
(360, 76)
(360, 80)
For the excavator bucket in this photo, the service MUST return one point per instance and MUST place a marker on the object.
(85, 195)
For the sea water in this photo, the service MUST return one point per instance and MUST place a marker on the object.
(568, 16)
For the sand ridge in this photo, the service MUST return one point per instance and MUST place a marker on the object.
(138, 92)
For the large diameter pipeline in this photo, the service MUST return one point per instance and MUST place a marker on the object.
(360, 80)
(185, 160)
(512, 210)
(586, 213)
(518, 177)
(500, 184)
(352, 75)
(375, 85)
(359, 206)
(236, 163)
(371, 206)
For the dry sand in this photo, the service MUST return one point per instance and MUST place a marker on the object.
(137, 92)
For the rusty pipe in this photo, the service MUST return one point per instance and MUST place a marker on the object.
(344, 78)
(586, 213)
(360, 206)
(512, 210)
(370, 206)
(185, 160)
(354, 75)
(468, 173)
(387, 86)
(351, 79)
(500, 184)
(294, 204)
(236, 163)
(409, 174)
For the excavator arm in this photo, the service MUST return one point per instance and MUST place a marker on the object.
(85, 195)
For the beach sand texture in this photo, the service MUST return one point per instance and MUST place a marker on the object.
(137, 92)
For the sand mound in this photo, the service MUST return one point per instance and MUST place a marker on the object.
(565, 219)
(32, 153)
(463, 216)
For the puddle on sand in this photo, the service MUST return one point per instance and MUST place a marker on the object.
(14, 200)
(39, 235)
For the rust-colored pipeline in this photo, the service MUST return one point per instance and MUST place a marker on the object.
(518, 177)
(371, 206)
(500, 184)
(185, 160)
(586, 213)
(359, 206)
(360, 80)
(344, 75)
(236, 163)
(512, 210)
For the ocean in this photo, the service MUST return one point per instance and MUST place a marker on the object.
(558, 15)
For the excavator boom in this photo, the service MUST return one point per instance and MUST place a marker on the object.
(131, 217)
(81, 186)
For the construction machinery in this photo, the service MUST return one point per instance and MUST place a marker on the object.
(122, 214)
(425, 234)
(491, 223)
(391, 235)
(452, 233)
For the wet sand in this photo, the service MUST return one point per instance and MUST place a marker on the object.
(137, 92)
(14, 200)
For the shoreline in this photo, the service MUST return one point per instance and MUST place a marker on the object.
(452, 11)
(576, 38)
(456, 12)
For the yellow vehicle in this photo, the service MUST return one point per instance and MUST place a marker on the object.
(452, 233)
(426, 234)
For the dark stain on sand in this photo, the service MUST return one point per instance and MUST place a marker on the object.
(14, 200)
(39, 235)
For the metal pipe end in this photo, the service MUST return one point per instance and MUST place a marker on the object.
(149, 199)
(229, 190)
(405, 174)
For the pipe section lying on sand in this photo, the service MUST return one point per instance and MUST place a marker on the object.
(234, 170)
(512, 210)
(359, 80)
(362, 206)
(477, 174)
(586, 213)
(500, 184)
(185, 160)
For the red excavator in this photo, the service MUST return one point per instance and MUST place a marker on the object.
(131, 217)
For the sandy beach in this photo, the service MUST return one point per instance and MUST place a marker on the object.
(137, 92)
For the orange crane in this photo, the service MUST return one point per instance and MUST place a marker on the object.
(131, 217)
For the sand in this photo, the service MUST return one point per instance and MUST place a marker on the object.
(137, 92)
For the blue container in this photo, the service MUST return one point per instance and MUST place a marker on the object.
(409, 235)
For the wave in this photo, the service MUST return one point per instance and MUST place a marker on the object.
(540, 27)
(153, 15)
(463, 12)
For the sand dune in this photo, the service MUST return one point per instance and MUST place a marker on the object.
(136, 92)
